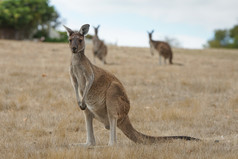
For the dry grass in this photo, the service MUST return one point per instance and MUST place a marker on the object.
(39, 116)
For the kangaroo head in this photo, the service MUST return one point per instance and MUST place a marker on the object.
(76, 38)
(150, 34)
(96, 29)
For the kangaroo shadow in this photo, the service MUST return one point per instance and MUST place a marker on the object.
(112, 63)
(178, 64)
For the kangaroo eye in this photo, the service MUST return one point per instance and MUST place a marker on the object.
(70, 40)
(80, 40)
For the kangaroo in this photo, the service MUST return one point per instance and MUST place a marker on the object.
(163, 49)
(103, 96)
(99, 48)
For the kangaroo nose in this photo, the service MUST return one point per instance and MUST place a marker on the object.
(74, 49)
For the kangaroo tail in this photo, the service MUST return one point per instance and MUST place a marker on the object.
(137, 137)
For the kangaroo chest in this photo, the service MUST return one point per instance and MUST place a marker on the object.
(96, 95)
(78, 74)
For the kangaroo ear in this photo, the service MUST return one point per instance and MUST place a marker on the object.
(152, 31)
(98, 26)
(84, 29)
(69, 31)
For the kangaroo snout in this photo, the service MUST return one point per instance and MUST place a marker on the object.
(74, 49)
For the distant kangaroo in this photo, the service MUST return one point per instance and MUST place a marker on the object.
(99, 48)
(103, 96)
(163, 49)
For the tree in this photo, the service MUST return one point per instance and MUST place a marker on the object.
(20, 18)
(234, 36)
(226, 38)
(172, 41)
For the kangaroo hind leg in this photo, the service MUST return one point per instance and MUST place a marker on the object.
(117, 108)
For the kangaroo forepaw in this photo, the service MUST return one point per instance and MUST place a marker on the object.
(82, 105)
(79, 104)
(107, 127)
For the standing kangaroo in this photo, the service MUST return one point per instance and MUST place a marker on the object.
(163, 49)
(99, 48)
(103, 96)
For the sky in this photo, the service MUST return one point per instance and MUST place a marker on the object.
(126, 22)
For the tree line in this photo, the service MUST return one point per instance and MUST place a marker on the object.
(225, 38)
(26, 19)
(23, 19)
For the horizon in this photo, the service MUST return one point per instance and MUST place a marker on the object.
(126, 23)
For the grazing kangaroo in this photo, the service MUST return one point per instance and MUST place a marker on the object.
(163, 49)
(103, 96)
(99, 48)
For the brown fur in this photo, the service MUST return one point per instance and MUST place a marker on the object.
(162, 47)
(104, 98)
(99, 47)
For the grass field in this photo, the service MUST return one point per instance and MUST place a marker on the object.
(198, 97)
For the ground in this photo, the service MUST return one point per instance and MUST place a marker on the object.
(198, 96)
